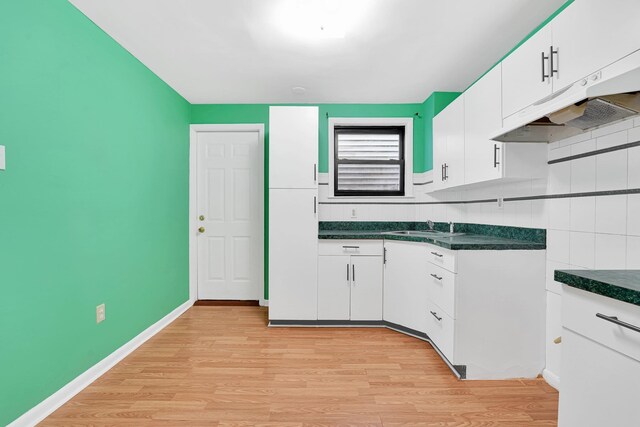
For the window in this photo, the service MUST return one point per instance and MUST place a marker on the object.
(369, 161)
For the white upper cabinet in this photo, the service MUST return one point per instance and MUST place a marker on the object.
(293, 147)
(525, 73)
(448, 146)
(482, 116)
(591, 34)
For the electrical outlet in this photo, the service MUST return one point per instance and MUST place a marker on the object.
(100, 313)
(354, 213)
(500, 202)
(3, 162)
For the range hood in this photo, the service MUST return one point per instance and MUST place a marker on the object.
(604, 97)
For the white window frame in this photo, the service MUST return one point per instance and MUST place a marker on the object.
(406, 122)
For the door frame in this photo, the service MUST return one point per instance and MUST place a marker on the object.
(193, 174)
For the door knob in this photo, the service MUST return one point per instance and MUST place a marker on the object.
(201, 229)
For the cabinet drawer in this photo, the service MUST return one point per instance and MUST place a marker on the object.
(441, 288)
(579, 309)
(350, 247)
(440, 329)
(441, 257)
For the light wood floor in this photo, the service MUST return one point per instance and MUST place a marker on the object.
(221, 366)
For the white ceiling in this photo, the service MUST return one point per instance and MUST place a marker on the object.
(256, 51)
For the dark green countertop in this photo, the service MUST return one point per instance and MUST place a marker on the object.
(623, 285)
(459, 242)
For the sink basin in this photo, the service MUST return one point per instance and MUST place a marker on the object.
(421, 233)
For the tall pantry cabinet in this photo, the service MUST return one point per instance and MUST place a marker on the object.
(293, 213)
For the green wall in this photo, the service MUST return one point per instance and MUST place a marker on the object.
(94, 201)
(259, 113)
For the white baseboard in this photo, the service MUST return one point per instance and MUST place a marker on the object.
(60, 397)
(552, 379)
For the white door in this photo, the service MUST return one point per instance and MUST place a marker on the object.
(334, 282)
(230, 208)
(483, 116)
(366, 288)
(523, 81)
(293, 254)
(591, 34)
(293, 147)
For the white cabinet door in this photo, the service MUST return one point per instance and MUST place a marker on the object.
(334, 287)
(293, 147)
(440, 125)
(405, 290)
(293, 255)
(448, 145)
(590, 34)
(366, 288)
(523, 71)
(482, 117)
(454, 165)
(599, 386)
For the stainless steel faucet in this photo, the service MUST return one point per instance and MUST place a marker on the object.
(430, 224)
(451, 227)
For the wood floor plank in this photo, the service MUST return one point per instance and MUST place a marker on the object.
(221, 366)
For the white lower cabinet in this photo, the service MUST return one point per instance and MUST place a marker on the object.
(405, 293)
(600, 362)
(350, 281)
(484, 310)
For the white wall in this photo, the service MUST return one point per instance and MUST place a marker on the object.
(583, 232)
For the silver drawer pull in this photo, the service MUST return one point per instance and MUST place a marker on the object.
(435, 276)
(351, 247)
(614, 319)
(436, 254)
(434, 314)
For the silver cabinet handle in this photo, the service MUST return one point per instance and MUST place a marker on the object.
(495, 155)
(436, 254)
(434, 314)
(544, 75)
(315, 209)
(384, 256)
(614, 319)
(347, 272)
(353, 273)
(552, 52)
(351, 247)
(315, 172)
(435, 276)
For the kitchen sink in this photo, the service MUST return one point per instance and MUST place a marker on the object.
(421, 233)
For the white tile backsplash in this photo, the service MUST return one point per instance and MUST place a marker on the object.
(612, 140)
(634, 167)
(633, 214)
(559, 214)
(611, 171)
(558, 246)
(611, 251)
(582, 249)
(611, 214)
(583, 174)
(633, 252)
(583, 214)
